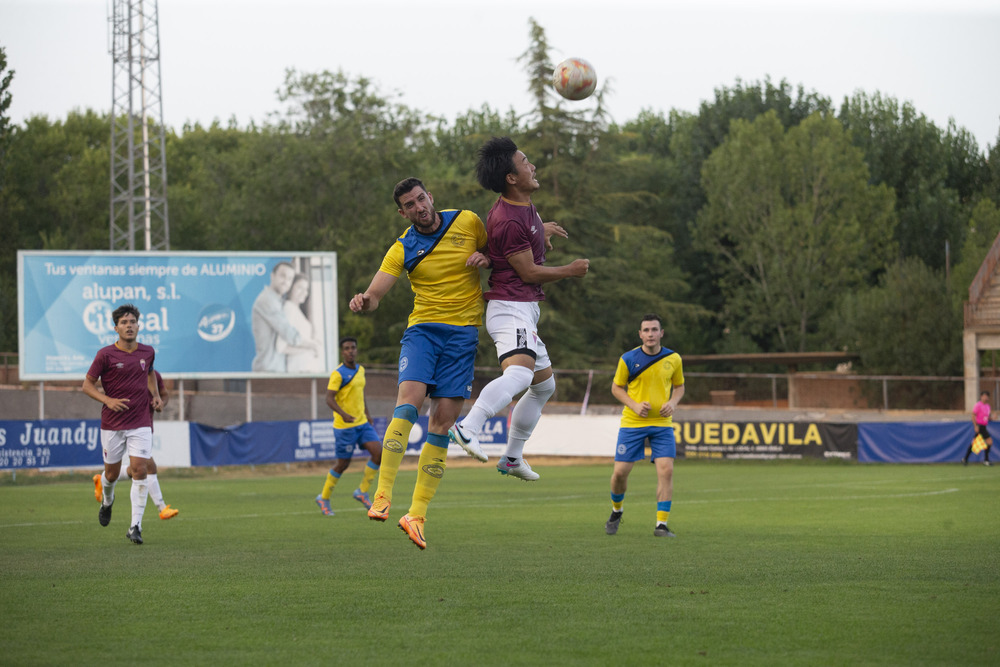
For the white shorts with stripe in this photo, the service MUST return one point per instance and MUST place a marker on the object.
(138, 442)
(513, 326)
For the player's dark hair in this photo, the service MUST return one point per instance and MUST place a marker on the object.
(348, 339)
(122, 310)
(279, 265)
(496, 160)
(405, 186)
(649, 317)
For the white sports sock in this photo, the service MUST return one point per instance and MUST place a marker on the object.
(496, 396)
(109, 490)
(154, 491)
(526, 414)
(140, 490)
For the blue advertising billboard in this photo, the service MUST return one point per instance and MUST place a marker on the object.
(207, 314)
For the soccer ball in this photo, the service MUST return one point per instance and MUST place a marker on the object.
(574, 79)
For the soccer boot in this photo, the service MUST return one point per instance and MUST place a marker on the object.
(98, 489)
(521, 469)
(362, 498)
(168, 512)
(413, 526)
(611, 527)
(104, 514)
(324, 505)
(134, 534)
(467, 441)
(379, 511)
(661, 530)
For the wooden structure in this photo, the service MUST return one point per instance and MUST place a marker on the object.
(982, 321)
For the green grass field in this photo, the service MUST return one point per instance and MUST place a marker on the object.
(774, 563)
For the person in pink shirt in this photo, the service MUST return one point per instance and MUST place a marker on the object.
(981, 421)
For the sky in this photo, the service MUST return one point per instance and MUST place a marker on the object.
(225, 59)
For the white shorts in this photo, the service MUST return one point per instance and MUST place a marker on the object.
(138, 442)
(513, 326)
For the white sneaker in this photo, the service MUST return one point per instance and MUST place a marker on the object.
(521, 469)
(468, 442)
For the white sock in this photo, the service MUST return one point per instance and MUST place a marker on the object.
(496, 396)
(526, 415)
(109, 490)
(154, 491)
(140, 490)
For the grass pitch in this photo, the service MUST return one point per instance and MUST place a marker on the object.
(775, 563)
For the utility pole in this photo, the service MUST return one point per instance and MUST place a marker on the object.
(138, 155)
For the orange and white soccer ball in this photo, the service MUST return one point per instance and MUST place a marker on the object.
(574, 79)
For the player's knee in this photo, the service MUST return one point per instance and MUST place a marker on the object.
(407, 412)
(544, 389)
(519, 376)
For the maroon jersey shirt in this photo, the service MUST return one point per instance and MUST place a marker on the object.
(124, 375)
(512, 228)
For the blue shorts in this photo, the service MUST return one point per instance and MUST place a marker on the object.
(347, 438)
(632, 443)
(442, 356)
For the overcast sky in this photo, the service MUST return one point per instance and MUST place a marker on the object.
(222, 58)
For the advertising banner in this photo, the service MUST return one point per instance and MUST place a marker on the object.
(766, 440)
(51, 443)
(208, 315)
(916, 442)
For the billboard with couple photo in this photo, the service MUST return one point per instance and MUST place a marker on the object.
(207, 314)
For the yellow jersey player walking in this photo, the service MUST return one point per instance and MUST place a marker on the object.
(440, 252)
(352, 425)
(649, 382)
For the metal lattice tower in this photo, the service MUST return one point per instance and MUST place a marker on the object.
(138, 156)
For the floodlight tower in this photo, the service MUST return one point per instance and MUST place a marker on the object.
(138, 156)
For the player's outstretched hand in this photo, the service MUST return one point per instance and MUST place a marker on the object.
(553, 229)
(361, 303)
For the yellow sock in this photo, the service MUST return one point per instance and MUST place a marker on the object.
(331, 481)
(368, 478)
(661, 516)
(397, 434)
(430, 469)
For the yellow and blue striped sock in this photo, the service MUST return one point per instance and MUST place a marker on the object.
(662, 511)
(430, 470)
(397, 434)
(331, 481)
(617, 500)
(368, 477)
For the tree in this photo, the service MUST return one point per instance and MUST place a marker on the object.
(907, 325)
(794, 223)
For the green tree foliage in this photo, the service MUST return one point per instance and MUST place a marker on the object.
(795, 224)
(934, 174)
(742, 224)
(889, 326)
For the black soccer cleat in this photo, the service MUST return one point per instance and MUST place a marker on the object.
(661, 530)
(134, 534)
(104, 514)
(611, 527)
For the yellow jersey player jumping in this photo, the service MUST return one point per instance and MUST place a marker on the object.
(441, 254)
(649, 382)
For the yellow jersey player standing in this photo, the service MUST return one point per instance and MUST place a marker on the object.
(352, 425)
(649, 382)
(440, 252)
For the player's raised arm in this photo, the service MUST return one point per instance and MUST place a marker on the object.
(368, 300)
(538, 274)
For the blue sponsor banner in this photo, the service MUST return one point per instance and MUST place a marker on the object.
(297, 441)
(916, 442)
(51, 443)
(223, 315)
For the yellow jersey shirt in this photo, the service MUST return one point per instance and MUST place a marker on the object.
(445, 290)
(649, 378)
(349, 383)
